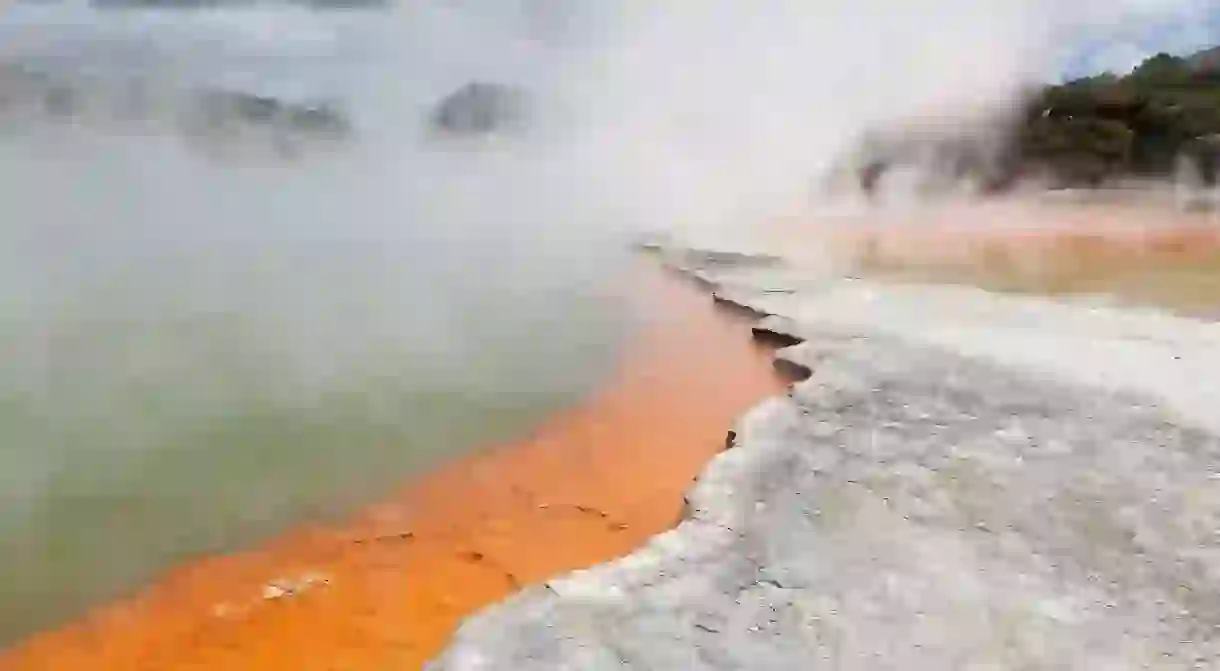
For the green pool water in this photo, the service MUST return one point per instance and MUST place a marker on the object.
(194, 357)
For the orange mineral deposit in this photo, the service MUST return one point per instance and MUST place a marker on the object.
(387, 589)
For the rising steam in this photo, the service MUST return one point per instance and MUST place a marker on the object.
(194, 350)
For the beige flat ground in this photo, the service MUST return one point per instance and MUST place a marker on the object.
(1129, 253)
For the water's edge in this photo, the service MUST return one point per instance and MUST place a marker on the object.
(674, 602)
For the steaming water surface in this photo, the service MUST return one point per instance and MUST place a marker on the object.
(195, 350)
(195, 353)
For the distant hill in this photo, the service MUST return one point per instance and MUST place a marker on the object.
(480, 108)
(1140, 123)
(1147, 123)
(1208, 59)
(208, 118)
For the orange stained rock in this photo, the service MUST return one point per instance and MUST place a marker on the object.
(1061, 242)
(387, 590)
(1056, 237)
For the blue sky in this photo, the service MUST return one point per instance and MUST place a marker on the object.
(1129, 44)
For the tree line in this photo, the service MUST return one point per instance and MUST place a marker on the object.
(1082, 133)
(1140, 124)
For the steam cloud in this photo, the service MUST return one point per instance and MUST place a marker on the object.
(170, 323)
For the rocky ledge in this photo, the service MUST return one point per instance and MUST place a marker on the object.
(957, 485)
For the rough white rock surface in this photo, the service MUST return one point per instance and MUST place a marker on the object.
(965, 482)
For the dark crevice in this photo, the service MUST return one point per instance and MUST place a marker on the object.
(773, 338)
(737, 307)
(791, 370)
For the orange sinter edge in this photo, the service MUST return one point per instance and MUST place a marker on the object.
(387, 589)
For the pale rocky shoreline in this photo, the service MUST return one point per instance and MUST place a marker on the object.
(965, 481)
